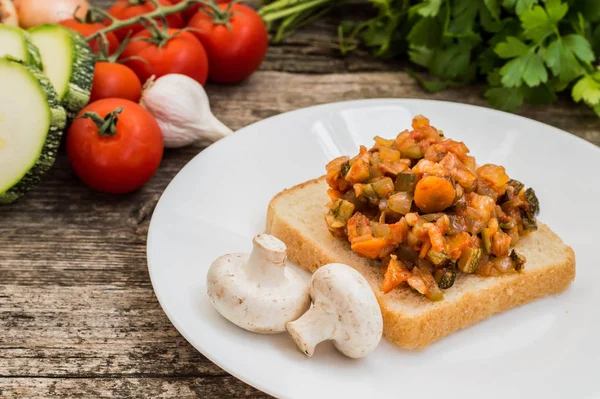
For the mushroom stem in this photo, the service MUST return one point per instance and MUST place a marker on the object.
(266, 263)
(318, 324)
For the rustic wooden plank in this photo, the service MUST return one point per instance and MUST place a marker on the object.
(146, 387)
(59, 331)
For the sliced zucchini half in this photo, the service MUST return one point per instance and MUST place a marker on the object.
(32, 120)
(16, 43)
(68, 63)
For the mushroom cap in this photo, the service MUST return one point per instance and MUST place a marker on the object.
(346, 292)
(247, 304)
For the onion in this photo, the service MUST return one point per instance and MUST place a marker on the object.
(39, 12)
(8, 14)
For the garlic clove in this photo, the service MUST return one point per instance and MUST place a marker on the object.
(181, 107)
(8, 13)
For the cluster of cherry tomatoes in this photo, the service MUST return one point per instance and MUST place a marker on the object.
(224, 49)
(225, 43)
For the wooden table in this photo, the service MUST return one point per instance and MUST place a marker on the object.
(78, 316)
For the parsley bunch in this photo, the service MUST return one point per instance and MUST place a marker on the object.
(527, 50)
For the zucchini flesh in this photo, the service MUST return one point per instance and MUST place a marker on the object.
(16, 43)
(68, 63)
(31, 124)
(469, 260)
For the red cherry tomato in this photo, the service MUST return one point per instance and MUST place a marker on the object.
(118, 163)
(112, 80)
(125, 9)
(86, 30)
(182, 53)
(234, 52)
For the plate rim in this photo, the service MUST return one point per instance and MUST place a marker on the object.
(341, 104)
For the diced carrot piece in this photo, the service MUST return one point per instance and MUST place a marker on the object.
(334, 194)
(399, 231)
(395, 274)
(419, 121)
(371, 248)
(424, 249)
(434, 194)
(458, 243)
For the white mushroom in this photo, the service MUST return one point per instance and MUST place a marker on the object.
(345, 311)
(258, 292)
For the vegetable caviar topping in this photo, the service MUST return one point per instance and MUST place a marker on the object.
(423, 207)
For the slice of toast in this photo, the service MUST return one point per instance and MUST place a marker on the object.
(297, 217)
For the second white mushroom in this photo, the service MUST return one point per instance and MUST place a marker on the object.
(345, 311)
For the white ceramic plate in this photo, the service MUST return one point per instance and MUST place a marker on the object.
(218, 202)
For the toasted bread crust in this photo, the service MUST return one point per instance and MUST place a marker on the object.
(480, 298)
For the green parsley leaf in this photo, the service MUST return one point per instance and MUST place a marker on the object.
(523, 5)
(493, 7)
(589, 8)
(426, 32)
(494, 78)
(380, 33)
(542, 94)
(519, 5)
(488, 61)
(580, 47)
(528, 69)
(421, 55)
(595, 38)
(509, 4)
(452, 62)
(512, 47)
(588, 89)
(464, 14)
(488, 22)
(556, 10)
(536, 24)
(504, 98)
(428, 8)
(562, 62)
(432, 86)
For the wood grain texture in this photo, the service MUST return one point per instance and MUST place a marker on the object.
(78, 317)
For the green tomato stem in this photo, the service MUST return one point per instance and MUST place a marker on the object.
(159, 12)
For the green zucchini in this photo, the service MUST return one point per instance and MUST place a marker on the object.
(16, 43)
(486, 239)
(31, 124)
(341, 212)
(345, 168)
(518, 260)
(405, 182)
(412, 152)
(433, 217)
(68, 63)
(445, 277)
(532, 200)
(437, 258)
(469, 260)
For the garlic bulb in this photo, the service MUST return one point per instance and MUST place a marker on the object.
(182, 109)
